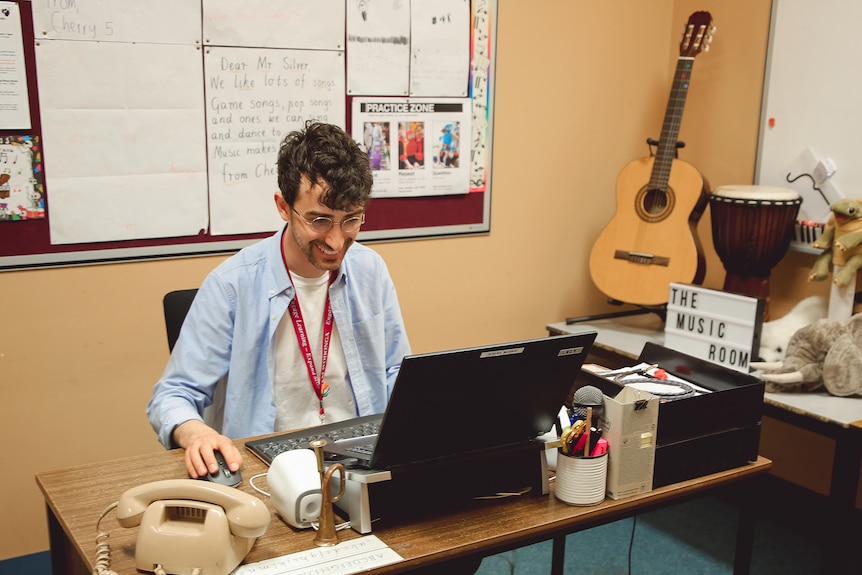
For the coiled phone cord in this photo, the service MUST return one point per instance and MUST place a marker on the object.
(103, 548)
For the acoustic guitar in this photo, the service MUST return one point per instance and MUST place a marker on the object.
(652, 239)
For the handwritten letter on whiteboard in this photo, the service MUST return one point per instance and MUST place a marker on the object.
(254, 98)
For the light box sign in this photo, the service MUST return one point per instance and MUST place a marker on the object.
(717, 326)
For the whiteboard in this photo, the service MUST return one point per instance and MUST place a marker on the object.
(811, 102)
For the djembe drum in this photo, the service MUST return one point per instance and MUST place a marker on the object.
(751, 230)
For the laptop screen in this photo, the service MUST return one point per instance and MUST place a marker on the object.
(455, 402)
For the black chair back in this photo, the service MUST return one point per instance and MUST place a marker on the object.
(177, 304)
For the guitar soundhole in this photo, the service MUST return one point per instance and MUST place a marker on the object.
(654, 205)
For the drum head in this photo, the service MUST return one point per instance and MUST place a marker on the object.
(756, 193)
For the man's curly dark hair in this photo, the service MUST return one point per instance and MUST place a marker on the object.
(328, 156)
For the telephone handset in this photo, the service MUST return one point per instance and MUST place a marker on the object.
(189, 526)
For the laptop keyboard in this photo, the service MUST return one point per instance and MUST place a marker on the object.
(268, 448)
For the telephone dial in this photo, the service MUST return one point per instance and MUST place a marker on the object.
(189, 527)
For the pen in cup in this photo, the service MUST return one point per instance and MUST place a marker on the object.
(587, 423)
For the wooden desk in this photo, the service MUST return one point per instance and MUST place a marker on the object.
(620, 341)
(75, 497)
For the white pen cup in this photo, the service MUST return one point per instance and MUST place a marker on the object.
(581, 480)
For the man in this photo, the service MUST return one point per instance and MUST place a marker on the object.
(301, 328)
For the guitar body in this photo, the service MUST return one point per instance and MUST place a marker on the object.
(651, 240)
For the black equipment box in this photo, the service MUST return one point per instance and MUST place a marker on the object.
(705, 433)
(415, 490)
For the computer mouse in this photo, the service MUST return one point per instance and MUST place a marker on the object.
(224, 475)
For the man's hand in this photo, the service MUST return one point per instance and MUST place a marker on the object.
(200, 440)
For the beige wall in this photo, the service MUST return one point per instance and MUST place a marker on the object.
(579, 87)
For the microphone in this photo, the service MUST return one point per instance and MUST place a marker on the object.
(588, 404)
(584, 397)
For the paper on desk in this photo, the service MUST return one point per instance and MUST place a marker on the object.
(347, 557)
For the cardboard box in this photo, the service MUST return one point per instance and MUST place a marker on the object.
(629, 422)
(705, 433)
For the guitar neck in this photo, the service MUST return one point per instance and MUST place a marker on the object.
(666, 151)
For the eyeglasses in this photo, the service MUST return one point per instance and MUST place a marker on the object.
(322, 224)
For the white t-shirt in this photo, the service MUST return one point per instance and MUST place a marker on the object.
(295, 400)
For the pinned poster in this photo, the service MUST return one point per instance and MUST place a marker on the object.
(414, 144)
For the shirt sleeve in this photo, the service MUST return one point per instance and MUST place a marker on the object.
(200, 359)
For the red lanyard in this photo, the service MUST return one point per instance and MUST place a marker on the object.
(321, 388)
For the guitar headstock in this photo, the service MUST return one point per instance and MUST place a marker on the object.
(698, 34)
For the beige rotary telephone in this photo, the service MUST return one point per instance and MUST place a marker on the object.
(191, 527)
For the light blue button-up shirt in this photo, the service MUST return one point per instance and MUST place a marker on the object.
(224, 353)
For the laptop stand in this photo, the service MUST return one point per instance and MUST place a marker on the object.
(411, 491)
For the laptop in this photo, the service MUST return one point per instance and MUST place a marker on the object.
(452, 403)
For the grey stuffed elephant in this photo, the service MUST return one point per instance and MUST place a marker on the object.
(826, 353)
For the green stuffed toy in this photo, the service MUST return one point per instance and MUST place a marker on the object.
(841, 243)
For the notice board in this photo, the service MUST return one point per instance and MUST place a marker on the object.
(150, 130)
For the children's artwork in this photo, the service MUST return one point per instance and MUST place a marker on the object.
(22, 189)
